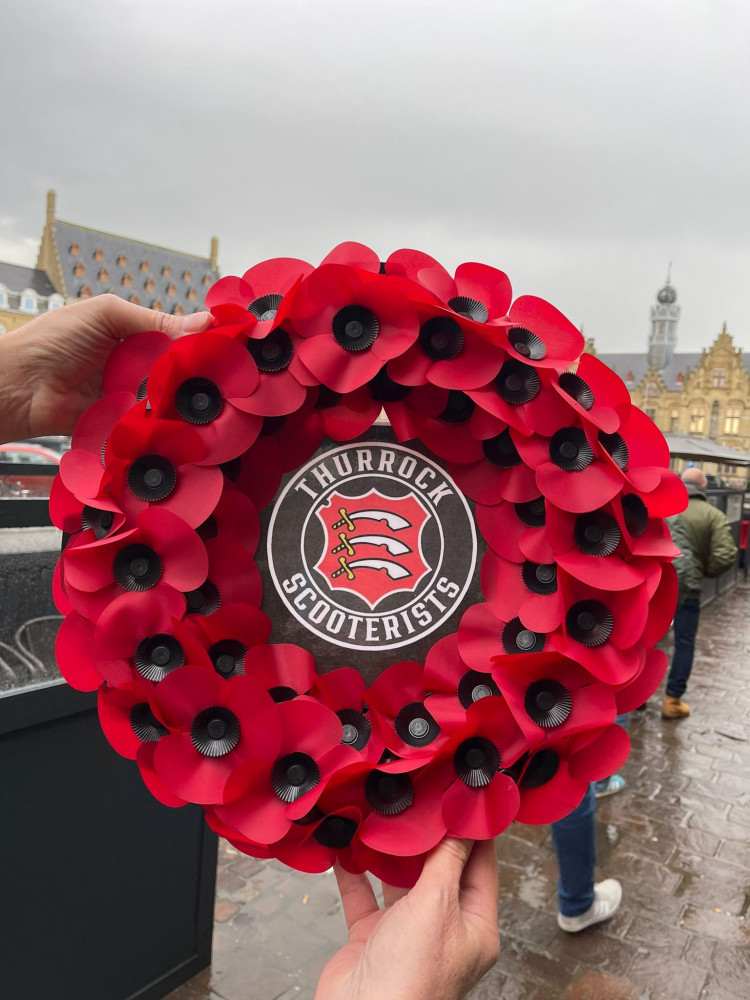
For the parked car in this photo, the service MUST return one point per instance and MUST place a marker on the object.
(33, 467)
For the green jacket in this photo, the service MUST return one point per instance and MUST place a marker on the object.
(710, 538)
(685, 562)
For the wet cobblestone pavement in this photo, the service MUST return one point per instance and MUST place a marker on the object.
(678, 838)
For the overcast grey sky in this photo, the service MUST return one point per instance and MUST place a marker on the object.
(578, 145)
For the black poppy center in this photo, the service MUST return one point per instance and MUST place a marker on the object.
(542, 768)
(570, 450)
(635, 513)
(517, 383)
(539, 578)
(597, 533)
(441, 338)
(385, 390)
(389, 794)
(158, 655)
(137, 568)
(590, 623)
(615, 446)
(215, 731)
(532, 513)
(265, 306)
(228, 657)
(335, 832)
(548, 703)
(142, 390)
(475, 685)
(144, 723)
(516, 638)
(204, 600)
(152, 477)
(100, 521)
(526, 343)
(355, 328)
(327, 398)
(578, 389)
(415, 726)
(355, 728)
(282, 693)
(476, 761)
(198, 400)
(273, 353)
(469, 308)
(458, 409)
(293, 775)
(500, 451)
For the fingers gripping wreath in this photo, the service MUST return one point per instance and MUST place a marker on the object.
(252, 691)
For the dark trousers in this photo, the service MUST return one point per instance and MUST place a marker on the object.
(685, 628)
(574, 840)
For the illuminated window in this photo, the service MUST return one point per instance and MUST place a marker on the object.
(74, 250)
(122, 260)
(79, 270)
(191, 294)
(143, 265)
(186, 276)
(732, 420)
(697, 419)
(149, 286)
(98, 254)
(166, 271)
(719, 378)
(127, 280)
(171, 290)
(103, 275)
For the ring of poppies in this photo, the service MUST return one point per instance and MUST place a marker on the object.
(512, 714)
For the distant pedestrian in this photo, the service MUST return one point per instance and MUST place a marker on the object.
(712, 552)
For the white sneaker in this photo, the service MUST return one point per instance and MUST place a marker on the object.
(607, 898)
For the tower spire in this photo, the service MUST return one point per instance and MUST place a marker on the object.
(669, 274)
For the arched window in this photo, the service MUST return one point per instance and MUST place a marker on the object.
(166, 271)
(143, 265)
(98, 254)
(171, 289)
(122, 260)
(149, 286)
(127, 279)
(187, 276)
(103, 275)
(79, 270)
(74, 249)
(191, 294)
(713, 427)
(732, 418)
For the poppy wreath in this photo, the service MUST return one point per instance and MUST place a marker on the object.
(507, 713)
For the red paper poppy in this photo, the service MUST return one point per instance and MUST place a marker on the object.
(229, 633)
(400, 715)
(234, 519)
(595, 393)
(284, 670)
(450, 434)
(293, 749)
(74, 655)
(82, 468)
(353, 325)
(539, 335)
(256, 472)
(638, 690)
(482, 636)
(527, 590)
(344, 417)
(141, 637)
(213, 726)
(480, 799)
(548, 791)
(258, 295)
(231, 577)
(343, 691)
(516, 531)
(161, 550)
(206, 380)
(453, 685)
(129, 364)
(72, 515)
(500, 474)
(551, 696)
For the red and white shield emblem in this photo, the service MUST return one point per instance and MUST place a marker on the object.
(373, 544)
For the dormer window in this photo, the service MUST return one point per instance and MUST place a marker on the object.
(103, 275)
(28, 301)
(79, 270)
(187, 276)
(191, 294)
(166, 271)
(122, 260)
(98, 254)
(206, 279)
(143, 265)
(680, 378)
(178, 310)
(149, 286)
(135, 300)
(156, 304)
(171, 290)
(85, 292)
(54, 302)
(127, 280)
(629, 378)
(74, 249)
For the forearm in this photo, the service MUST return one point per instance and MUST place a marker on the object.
(14, 386)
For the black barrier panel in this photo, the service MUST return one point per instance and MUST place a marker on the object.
(106, 894)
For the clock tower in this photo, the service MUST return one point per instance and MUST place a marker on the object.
(664, 317)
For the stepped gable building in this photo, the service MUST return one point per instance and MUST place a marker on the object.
(703, 394)
(76, 262)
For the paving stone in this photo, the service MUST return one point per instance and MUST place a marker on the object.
(225, 909)
(600, 986)
(722, 926)
(666, 978)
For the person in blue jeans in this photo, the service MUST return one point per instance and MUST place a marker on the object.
(581, 902)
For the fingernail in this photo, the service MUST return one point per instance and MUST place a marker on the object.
(195, 322)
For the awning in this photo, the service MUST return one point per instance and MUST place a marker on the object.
(704, 450)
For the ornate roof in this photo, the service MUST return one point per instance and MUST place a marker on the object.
(102, 262)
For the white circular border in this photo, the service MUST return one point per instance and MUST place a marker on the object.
(375, 647)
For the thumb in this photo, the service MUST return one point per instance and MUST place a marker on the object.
(123, 319)
(445, 865)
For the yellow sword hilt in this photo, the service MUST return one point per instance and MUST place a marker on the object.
(344, 569)
(345, 521)
(345, 544)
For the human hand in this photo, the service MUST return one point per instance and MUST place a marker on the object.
(51, 368)
(432, 942)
